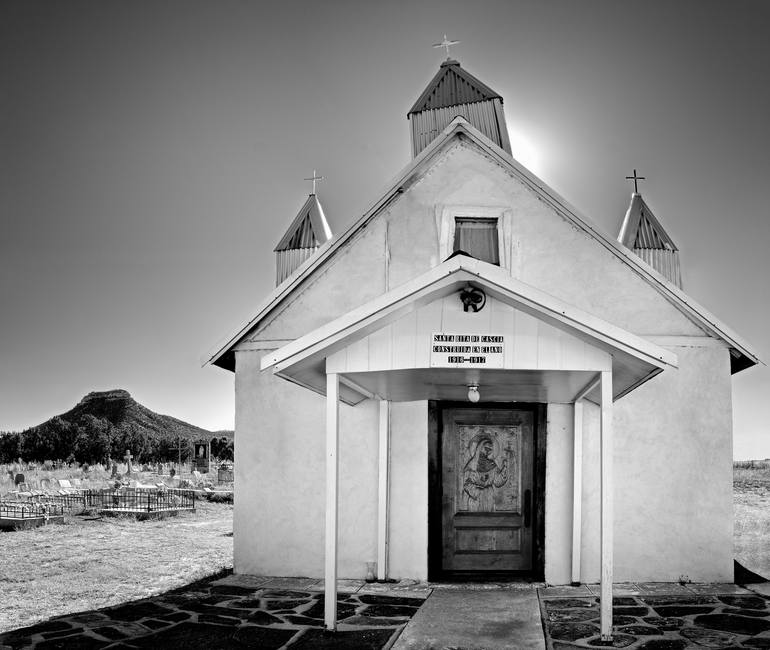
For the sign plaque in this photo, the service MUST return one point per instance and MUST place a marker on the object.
(466, 350)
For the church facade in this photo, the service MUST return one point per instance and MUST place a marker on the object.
(472, 379)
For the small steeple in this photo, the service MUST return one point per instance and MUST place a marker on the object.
(645, 236)
(307, 232)
(452, 92)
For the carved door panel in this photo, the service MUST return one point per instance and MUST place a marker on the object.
(486, 507)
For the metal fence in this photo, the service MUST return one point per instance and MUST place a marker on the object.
(139, 500)
(68, 502)
(29, 510)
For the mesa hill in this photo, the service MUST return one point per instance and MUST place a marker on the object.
(103, 425)
(119, 408)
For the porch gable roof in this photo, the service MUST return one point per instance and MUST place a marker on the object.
(303, 360)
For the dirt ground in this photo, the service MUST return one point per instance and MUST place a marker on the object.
(91, 562)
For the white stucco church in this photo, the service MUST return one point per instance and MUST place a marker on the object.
(473, 379)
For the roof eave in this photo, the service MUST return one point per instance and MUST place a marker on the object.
(426, 288)
(403, 179)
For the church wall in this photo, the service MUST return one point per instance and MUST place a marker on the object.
(352, 277)
(558, 493)
(547, 251)
(280, 470)
(673, 452)
(672, 475)
(408, 532)
(672, 435)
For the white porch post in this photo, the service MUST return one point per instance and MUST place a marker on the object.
(606, 506)
(332, 485)
(383, 489)
(577, 490)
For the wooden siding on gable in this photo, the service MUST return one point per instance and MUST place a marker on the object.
(530, 343)
(289, 260)
(486, 116)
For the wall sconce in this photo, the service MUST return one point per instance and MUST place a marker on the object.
(473, 298)
(473, 393)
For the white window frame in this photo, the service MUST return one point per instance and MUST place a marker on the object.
(445, 226)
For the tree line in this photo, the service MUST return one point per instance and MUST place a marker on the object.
(95, 440)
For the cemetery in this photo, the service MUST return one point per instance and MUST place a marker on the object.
(35, 494)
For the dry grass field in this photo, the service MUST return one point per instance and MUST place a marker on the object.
(91, 562)
(751, 496)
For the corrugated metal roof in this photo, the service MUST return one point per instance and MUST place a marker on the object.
(451, 86)
(641, 229)
(643, 234)
(309, 228)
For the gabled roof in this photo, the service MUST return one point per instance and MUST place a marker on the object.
(451, 86)
(741, 355)
(308, 229)
(641, 229)
(303, 361)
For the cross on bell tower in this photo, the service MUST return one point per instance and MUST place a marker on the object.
(314, 178)
(446, 43)
(636, 178)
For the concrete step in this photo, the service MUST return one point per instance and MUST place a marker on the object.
(471, 619)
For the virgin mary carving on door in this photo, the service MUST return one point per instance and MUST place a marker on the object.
(490, 464)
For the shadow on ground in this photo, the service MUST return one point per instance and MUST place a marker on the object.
(218, 613)
(658, 616)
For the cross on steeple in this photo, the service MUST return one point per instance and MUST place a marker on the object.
(314, 178)
(636, 178)
(445, 44)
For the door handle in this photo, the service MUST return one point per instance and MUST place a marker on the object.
(527, 508)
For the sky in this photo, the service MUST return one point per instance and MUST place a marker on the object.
(153, 153)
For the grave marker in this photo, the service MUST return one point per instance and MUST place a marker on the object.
(128, 458)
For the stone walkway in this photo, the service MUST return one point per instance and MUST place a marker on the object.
(251, 612)
(235, 612)
(658, 616)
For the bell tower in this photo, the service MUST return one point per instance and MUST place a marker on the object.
(305, 235)
(452, 92)
(645, 236)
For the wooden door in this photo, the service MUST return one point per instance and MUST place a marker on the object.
(487, 485)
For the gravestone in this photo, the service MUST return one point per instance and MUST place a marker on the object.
(19, 479)
(114, 470)
(196, 475)
(202, 458)
(45, 483)
(128, 458)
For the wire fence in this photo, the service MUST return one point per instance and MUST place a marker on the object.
(139, 500)
(28, 510)
(124, 499)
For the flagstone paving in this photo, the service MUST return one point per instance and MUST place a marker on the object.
(234, 612)
(658, 616)
(287, 613)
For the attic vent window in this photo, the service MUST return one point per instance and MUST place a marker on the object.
(477, 237)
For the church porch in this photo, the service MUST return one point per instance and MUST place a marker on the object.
(577, 358)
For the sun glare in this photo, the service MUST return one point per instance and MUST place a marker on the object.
(525, 152)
